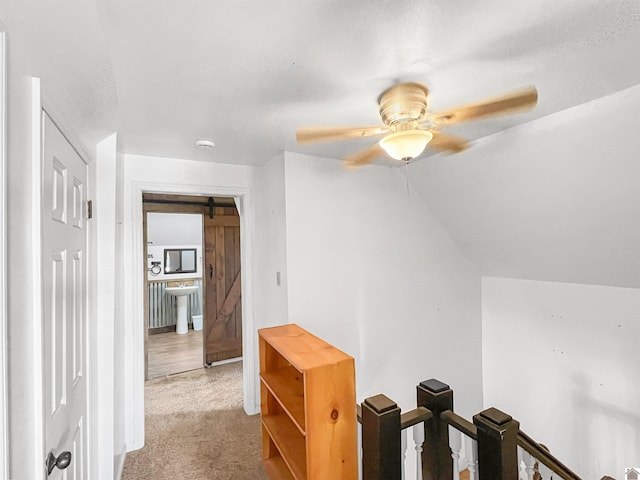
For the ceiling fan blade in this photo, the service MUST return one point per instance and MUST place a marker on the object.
(524, 99)
(363, 157)
(447, 143)
(321, 134)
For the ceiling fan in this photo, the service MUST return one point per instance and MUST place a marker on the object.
(408, 127)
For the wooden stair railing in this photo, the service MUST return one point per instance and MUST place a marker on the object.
(496, 435)
(544, 456)
(382, 425)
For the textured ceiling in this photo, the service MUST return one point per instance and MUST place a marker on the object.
(551, 194)
(247, 73)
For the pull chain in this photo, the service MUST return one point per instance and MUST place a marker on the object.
(406, 174)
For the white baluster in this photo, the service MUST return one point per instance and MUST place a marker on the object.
(418, 440)
(403, 439)
(521, 474)
(471, 450)
(545, 472)
(455, 442)
(529, 464)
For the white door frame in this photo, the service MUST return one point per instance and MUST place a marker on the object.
(102, 277)
(26, 456)
(134, 270)
(36, 404)
(4, 440)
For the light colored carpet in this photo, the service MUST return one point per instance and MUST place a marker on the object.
(195, 428)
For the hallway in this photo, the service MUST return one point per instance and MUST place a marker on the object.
(195, 428)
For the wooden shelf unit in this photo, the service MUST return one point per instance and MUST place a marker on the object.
(308, 407)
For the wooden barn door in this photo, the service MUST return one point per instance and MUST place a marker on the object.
(223, 317)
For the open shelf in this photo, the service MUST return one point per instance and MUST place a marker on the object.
(289, 442)
(287, 387)
(277, 469)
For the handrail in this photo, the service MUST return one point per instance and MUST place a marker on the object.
(543, 455)
(408, 419)
(497, 434)
(415, 416)
(460, 423)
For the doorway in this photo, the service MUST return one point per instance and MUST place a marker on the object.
(177, 179)
(174, 258)
(191, 247)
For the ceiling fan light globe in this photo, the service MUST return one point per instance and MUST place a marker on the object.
(407, 144)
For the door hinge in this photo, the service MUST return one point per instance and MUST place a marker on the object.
(89, 209)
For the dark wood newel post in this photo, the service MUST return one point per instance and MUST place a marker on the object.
(437, 463)
(497, 445)
(381, 444)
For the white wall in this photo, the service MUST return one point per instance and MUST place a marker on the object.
(4, 437)
(165, 175)
(173, 231)
(563, 359)
(271, 244)
(174, 228)
(119, 399)
(373, 272)
(556, 199)
(102, 331)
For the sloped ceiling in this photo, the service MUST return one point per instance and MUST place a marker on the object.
(246, 74)
(557, 199)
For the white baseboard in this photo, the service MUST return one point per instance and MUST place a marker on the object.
(118, 464)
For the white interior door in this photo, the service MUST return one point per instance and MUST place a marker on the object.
(64, 247)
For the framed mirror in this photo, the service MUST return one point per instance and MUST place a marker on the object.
(179, 260)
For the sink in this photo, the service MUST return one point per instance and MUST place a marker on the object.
(182, 326)
(180, 291)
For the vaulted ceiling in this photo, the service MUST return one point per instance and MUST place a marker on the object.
(246, 74)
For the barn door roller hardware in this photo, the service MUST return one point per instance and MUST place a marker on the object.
(209, 202)
(211, 205)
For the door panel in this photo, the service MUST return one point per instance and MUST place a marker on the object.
(77, 318)
(64, 289)
(56, 371)
(223, 318)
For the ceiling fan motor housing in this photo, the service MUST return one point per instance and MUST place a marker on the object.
(403, 105)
